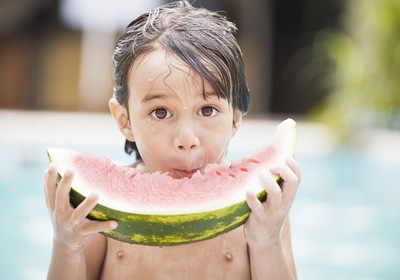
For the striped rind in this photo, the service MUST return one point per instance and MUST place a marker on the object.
(168, 230)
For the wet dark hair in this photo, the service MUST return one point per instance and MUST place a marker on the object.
(202, 39)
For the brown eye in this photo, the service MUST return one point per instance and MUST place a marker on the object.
(208, 111)
(160, 113)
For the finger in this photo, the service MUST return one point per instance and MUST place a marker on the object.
(90, 227)
(295, 167)
(274, 193)
(287, 174)
(83, 209)
(50, 186)
(254, 204)
(290, 183)
(63, 190)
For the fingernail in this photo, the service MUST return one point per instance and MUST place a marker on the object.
(113, 224)
(93, 196)
(289, 159)
(51, 168)
(69, 172)
(273, 168)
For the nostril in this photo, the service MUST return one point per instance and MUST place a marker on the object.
(182, 147)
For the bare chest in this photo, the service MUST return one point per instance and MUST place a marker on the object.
(224, 257)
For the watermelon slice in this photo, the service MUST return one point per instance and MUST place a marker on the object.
(155, 209)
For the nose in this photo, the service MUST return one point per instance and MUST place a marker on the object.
(186, 138)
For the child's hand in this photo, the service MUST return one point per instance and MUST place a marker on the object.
(265, 223)
(72, 230)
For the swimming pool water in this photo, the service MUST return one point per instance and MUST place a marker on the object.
(345, 220)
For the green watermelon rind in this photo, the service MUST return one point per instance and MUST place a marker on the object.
(169, 230)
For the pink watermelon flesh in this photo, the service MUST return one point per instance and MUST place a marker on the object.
(126, 189)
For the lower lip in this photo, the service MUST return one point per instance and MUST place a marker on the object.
(183, 173)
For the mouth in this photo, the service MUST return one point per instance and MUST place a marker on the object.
(182, 173)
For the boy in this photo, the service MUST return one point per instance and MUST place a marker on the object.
(180, 94)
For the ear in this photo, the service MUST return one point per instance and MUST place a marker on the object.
(237, 121)
(121, 117)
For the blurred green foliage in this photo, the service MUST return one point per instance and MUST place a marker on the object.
(364, 82)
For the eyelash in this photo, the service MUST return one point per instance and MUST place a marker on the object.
(154, 113)
(168, 114)
(214, 111)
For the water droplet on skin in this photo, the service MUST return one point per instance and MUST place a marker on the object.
(184, 108)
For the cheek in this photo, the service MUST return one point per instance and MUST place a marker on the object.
(145, 139)
(151, 139)
(218, 145)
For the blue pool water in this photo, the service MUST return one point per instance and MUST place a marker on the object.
(345, 220)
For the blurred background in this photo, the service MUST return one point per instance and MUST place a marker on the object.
(332, 65)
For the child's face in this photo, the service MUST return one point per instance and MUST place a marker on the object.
(175, 129)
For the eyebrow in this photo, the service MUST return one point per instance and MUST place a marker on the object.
(152, 96)
(210, 94)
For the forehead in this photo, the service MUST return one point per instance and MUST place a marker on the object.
(161, 70)
(155, 61)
